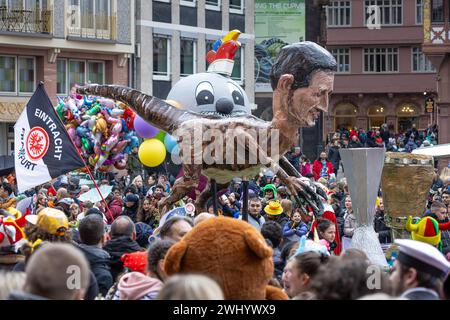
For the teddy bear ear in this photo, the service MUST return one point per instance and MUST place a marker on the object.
(257, 244)
(172, 261)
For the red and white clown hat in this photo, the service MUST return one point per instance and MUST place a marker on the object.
(221, 58)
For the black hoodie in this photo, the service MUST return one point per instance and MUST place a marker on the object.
(116, 248)
(99, 261)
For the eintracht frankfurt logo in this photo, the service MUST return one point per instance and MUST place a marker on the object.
(37, 143)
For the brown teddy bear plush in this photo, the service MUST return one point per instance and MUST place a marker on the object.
(230, 251)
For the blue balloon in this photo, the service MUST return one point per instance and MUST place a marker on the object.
(170, 142)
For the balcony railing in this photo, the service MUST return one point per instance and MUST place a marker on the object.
(27, 21)
(94, 26)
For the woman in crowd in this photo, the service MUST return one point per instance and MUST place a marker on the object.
(299, 272)
(305, 166)
(131, 206)
(327, 231)
(350, 222)
(139, 184)
(295, 229)
(148, 212)
(191, 287)
(322, 168)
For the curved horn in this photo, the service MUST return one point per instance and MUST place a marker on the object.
(154, 110)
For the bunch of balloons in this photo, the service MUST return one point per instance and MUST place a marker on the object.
(105, 132)
(153, 150)
(101, 129)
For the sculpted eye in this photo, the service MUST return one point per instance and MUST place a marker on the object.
(204, 94)
(238, 98)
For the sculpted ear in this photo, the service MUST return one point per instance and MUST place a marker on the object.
(172, 261)
(285, 82)
(257, 244)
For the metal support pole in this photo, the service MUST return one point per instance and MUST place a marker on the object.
(245, 200)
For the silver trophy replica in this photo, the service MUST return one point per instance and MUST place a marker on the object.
(362, 168)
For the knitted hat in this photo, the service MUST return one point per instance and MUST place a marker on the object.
(427, 230)
(136, 261)
(274, 208)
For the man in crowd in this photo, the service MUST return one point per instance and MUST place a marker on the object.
(92, 231)
(418, 271)
(175, 228)
(334, 155)
(50, 274)
(439, 212)
(254, 213)
(123, 240)
(7, 198)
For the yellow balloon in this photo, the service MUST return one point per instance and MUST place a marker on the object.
(152, 152)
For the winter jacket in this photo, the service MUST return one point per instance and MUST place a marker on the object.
(355, 144)
(384, 232)
(334, 157)
(255, 222)
(137, 286)
(317, 168)
(148, 218)
(350, 224)
(131, 212)
(115, 206)
(305, 169)
(116, 247)
(294, 233)
(99, 261)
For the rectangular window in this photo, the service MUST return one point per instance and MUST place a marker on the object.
(96, 72)
(391, 11)
(377, 60)
(339, 13)
(161, 56)
(187, 57)
(7, 74)
(437, 11)
(420, 62)
(212, 5)
(419, 11)
(26, 75)
(238, 69)
(188, 3)
(61, 76)
(77, 73)
(342, 57)
(237, 6)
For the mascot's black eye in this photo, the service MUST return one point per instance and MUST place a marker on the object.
(204, 94)
(238, 98)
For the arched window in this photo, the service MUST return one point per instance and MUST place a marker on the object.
(407, 116)
(377, 116)
(345, 116)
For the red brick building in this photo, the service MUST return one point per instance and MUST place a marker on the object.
(383, 74)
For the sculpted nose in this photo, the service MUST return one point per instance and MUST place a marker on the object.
(224, 105)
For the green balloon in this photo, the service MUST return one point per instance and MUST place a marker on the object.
(160, 136)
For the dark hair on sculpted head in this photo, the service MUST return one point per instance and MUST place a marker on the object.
(301, 59)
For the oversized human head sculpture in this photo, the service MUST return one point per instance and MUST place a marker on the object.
(302, 78)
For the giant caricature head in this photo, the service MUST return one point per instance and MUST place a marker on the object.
(214, 92)
(303, 78)
(210, 93)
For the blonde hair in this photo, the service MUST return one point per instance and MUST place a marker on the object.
(445, 174)
(11, 281)
(190, 287)
(286, 204)
(137, 179)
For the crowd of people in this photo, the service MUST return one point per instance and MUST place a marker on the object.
(121, 242)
